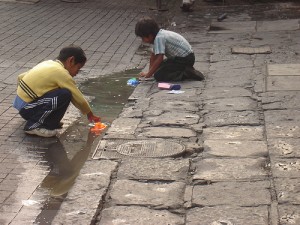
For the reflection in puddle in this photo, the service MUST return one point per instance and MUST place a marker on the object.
(67, 155)
(62, 175)
(64, 170)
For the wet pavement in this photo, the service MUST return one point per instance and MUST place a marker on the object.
(225, 151)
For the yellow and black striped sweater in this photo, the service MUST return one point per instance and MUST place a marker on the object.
(47, 76)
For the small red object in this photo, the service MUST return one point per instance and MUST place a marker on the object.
(98, 127)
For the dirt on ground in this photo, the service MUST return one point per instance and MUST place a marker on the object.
(203, 12)
(257, 9)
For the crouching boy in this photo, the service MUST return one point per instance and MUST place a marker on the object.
(45, 92)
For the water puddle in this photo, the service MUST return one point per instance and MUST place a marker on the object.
(111, 93)
(66, 156)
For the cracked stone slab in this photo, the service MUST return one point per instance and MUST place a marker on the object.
(235, 148)
(25, 216)
(283, 83)
(229, 215)
(189, 95)
(203, 67)
(167, 132)
(236, 103)
(232, 64)
(131, 112)
(234, 133)
(284, 148)
(122, 127)
(81, 204)
(198, 127)
(225, 118)
(241, 79)
(238, 81)
(289, 214)
(219, 52)
(154, 169)
(71, 1)
(140, 92)
(272, 116)
(232, 193)
(142, 104)
(191, 84)
(230, 169)
(259, 85)
(154, 195)
(251, 50)
(153, 112)
(174, 118)
(232, 27)
(174, 105)
(283, 69)
(286, 168)
(280, 100)
(219, 40)
(22, 1)
(278, 25)
(244, 72)
(225, 92)
(268, 38)
(135, 215)
(288, 190)
(283, 129)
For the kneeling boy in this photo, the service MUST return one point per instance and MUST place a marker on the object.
(180, 58)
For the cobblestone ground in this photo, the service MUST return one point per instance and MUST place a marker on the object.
(30, 33)
(239, 129)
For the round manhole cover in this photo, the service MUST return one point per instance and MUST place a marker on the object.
(150, 148)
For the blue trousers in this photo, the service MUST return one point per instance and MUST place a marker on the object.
(47, 111)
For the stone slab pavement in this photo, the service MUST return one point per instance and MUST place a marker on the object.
(240, 161)
(235, 162)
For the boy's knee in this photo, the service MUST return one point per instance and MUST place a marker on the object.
(66, 93)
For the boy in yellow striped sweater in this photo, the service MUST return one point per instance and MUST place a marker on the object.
(45, 92)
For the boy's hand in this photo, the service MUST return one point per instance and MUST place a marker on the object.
(92, 118)
(143, 74)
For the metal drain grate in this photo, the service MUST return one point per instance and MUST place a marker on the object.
(150, 148)
(155, 148)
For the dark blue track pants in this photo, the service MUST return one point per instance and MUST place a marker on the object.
(47, 111)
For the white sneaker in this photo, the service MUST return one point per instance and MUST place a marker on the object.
(42, 132)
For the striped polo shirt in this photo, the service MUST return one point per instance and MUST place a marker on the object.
(171, 44)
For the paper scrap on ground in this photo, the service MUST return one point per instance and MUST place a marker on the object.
(175, 92)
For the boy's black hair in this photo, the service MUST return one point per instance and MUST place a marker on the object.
(146, 26)
(70, 51)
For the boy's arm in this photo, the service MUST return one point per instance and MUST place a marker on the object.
(155, 62)
(152, 58)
